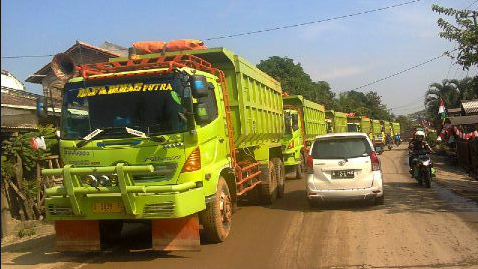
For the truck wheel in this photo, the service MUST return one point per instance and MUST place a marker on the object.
(217, 217)
(254, 196)
(280, 175)
(300, 168)
(269, 184)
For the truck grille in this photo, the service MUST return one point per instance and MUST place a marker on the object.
(60, 210)
(162, 172)
(165, 208)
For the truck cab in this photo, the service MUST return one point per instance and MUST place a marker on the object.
(164, 139)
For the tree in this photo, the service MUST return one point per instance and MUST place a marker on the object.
(20, 169)
(294, 80)
(465, 32)
(367, 104)
(452, 91)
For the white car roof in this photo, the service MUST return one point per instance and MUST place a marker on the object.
(350, 134)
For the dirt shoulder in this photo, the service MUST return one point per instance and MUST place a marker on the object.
(455, 179)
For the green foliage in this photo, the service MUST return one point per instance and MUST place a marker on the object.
(20, 146)
(406, 124)
(366, 104)
(294, 80)
(464, 32)
(432, 139)
(452, 91)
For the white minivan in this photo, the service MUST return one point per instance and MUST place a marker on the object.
(343, 166)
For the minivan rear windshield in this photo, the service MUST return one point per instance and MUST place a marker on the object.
(341, 148)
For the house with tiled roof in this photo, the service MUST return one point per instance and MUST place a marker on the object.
(81, 53)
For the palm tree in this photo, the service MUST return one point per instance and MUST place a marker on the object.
(447, 91)
(467, 87)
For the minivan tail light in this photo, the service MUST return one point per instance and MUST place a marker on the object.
(375, 161)
(310, 161)
(193, 163)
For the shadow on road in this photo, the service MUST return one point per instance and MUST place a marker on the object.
(134, 245)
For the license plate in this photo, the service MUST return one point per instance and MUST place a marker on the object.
(108, 207)
(343, 174)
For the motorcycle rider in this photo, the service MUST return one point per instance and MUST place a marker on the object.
(418, 143)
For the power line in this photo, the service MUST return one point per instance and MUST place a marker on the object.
(261, 31)
(407, 105)
(403, 71)
(312, 22)
(474, 2)
(27, 56)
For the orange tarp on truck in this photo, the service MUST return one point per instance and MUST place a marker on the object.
(144, 47)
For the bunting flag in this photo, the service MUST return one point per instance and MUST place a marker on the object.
(448, 129)
(441, 110)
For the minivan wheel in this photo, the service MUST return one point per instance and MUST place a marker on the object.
(313, 203)
(380, 200)
(300, 167)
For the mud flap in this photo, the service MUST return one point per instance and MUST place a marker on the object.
(176, 234)
(77, 235)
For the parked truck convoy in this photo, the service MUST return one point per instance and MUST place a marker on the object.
(173, 140)
(304, 120)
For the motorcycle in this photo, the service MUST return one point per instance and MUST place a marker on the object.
(422, 167)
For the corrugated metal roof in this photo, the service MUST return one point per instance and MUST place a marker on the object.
(473, 119)
(470, 106)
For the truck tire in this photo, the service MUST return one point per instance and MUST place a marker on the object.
(269, 184)
(217, 217)
(254, 196)
(300, 168)
(280, 175)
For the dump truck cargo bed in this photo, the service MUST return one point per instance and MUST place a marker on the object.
(255, 97)
(313, 113)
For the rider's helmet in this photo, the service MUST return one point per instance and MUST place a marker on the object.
(420, 135)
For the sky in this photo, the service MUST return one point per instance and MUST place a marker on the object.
(347, 53)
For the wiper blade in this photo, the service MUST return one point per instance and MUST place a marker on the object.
(135, 132)
(88, 137)
(138, 133)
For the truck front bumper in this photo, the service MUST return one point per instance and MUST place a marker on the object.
(73, 201)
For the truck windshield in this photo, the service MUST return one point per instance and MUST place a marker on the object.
(352, 128)
(152, 106)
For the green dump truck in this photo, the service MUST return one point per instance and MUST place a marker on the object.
(396, 128)
(336, 121)
(387, 127)
(172, 140)
(304, 120)
(359, 124)
(378, 136)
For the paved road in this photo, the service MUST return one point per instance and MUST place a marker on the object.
(416, 228)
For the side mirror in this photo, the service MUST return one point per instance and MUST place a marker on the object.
(42, 111)
(199, 86)
(201, 114)
(295, 122)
